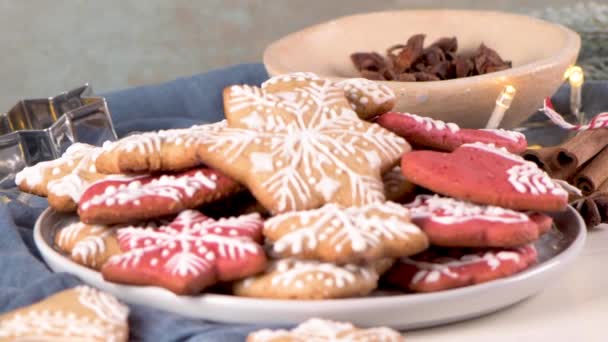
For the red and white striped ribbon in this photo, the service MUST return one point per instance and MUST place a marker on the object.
(598, 121)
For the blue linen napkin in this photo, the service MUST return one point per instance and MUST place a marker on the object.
(25, 279)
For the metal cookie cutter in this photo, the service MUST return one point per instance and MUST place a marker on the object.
(36, 130)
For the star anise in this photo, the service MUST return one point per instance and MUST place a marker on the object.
(593, 208)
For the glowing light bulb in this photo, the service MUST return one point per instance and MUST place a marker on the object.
(503, 102)
(576, 78)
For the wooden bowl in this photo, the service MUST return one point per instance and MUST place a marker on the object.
(540, 52)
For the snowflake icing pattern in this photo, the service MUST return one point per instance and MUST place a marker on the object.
(305, 147)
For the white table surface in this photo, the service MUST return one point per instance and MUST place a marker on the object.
(573, 308)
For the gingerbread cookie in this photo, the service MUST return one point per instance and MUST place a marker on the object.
(447, 136)
(116, 201)
(190, 254)
(453, 223)
(485, 174)
(396, 187)
(88, 245)
(367, 98)
(168, 150)
(78, 314)
(300, 149)
(442, 269)
(64, 179)
(309, 279)
(345, 235)
(319, 330)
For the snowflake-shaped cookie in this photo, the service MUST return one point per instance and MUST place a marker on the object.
(138, 198)
(78, 314)
(189, 254)
(300, 148)
(310, 279)
(367, 98)
(319, 330)
(345, 235)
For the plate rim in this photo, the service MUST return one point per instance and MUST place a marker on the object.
(572, 251)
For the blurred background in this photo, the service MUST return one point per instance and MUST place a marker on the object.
(51, 46)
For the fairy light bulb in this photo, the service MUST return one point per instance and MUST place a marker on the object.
(503, 102)
(576, 78)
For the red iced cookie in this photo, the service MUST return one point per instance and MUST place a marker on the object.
(447, 136)
(139, 198)
(442, 269)
(485, 174)
(190, 254)
(453, 223)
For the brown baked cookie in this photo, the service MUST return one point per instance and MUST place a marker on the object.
(319, 330)
(396, 187)
(167, 150)
(442, 269)
(367, 98)
(300, 149)
(309, 279)
(345, 235)
(88, 245)
(62, 180)
(78, 314)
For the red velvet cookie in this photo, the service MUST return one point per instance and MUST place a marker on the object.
(447, 136)
(453, 223)
(442, 269)
(132, 199)
(190, 254)
(485, 174)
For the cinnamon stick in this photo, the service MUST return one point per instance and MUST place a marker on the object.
(581, 148)
(593, 174)
(545, 159)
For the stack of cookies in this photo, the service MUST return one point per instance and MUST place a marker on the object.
(308, 190)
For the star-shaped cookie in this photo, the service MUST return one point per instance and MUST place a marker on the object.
(300, 147)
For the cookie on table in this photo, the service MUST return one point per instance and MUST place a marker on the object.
(485, 174)
(447, 136)
(88, 245)
(111, 201)
(367, 98)
(345, 235)
(320, 330)
(300, 148)
(166, 150)
(308, 280)
(78, 314)
(189, 254)
(396, 187)
(64, 179)
(453, 223)
(442, 269)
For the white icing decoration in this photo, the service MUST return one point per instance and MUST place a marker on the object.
(362, 90)
(261, 162)
(287, 272)
(524, 176)
(174, 187)
(175, 245)
(432, 124)
(358, 227)
(431, 272)
(87, 248)
(506, 134)
(318, 330)
(61, 324)
(322, 140)
(445, 210)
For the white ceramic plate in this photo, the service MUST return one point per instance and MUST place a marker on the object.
(557, 250)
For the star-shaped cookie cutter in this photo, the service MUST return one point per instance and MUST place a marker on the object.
(36, 130)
